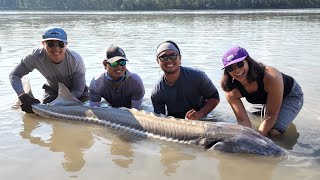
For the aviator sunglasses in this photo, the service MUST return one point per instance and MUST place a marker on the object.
(230, 67)
(120, 62)
(165, 57)
(52, 44)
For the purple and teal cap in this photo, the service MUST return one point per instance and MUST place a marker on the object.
(234, 55)
(115, 53)
(54, 33)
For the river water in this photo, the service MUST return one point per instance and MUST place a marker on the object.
(33, 147)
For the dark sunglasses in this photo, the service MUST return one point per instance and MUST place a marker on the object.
(52, 44)
(230, 67)
(121, 62)
(165, 57)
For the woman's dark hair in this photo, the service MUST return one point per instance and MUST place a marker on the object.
(255, 71)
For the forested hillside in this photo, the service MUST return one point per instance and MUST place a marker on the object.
(70, 5)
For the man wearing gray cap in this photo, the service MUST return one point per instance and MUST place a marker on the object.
(118, 86)
(182, 92)
(57, 64)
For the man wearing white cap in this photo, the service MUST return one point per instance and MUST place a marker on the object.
(57, 64)
(118, 86)
(182, 92)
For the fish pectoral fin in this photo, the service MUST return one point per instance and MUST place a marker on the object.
(222, 146)
(208, 144)
(217, 145)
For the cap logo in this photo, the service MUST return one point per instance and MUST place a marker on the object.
(55, 32)
(230, 58)
(121, 52)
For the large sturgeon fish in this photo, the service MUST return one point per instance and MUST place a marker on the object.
(225, 137)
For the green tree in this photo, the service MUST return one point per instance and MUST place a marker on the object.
(153, 4)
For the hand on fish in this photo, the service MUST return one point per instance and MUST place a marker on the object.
(26, 102)
(193, 115)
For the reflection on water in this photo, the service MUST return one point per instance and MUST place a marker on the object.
(171, 156)
(121, 148)
(289, 138)
(120, 145)
(241, 167)
(71, 143)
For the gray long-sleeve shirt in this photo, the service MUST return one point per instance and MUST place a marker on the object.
(70, 72)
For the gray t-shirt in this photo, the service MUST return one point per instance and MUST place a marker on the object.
(70, 72)
(190, 91)
(117, 94)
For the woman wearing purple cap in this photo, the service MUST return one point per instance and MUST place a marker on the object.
(260, 84)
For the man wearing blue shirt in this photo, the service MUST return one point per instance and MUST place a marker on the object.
(182, 92)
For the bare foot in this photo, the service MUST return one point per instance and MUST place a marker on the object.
(274, 132)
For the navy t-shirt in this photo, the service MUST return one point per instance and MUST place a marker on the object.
(190, 91)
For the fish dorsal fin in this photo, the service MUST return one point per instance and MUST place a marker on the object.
(27, 89)
(65, 97)
(26, 85)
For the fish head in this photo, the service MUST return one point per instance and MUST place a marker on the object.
(235, 138)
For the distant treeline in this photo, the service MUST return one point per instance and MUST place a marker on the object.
(61, 5)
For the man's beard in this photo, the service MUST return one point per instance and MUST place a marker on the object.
(171, 71)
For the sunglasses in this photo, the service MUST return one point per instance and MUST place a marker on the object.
(165, 57)
(52, 44)
(120, 62)
(230, 68)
